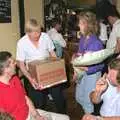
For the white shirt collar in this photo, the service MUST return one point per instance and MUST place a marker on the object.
(53, 29)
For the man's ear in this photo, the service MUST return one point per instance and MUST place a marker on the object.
(5, 71)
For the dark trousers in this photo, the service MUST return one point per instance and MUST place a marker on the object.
(39, 98)
(97, 108)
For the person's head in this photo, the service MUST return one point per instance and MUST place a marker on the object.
(7, 64)
(87, 23)
(112, 15)
(114, 72)
(56, 24)
(33, 29)
(5, 116)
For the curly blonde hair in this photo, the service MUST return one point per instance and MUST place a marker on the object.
(91, 20)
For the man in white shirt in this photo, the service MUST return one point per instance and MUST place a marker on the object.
(103, 33)
(114, 38)
(108, 90)
(38, 45)
(57, 38)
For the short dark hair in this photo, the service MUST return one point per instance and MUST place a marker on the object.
(112, 12)
(55, 22)
(115, 64)
(4, 56)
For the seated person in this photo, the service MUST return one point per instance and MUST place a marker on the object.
(108, 90)
(57, 38)
(13, 98)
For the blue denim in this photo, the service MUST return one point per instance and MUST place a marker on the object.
(59, 50)
(83, 88)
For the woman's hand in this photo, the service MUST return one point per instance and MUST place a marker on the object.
(34, 83)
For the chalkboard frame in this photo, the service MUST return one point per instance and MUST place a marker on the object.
(5, 11)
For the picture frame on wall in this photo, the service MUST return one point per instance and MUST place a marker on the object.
(5, 11)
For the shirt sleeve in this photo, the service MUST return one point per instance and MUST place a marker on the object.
(20, 54)
(103, 32)
(61, 40)
(19, 84)
(50, 44)
(118, 31)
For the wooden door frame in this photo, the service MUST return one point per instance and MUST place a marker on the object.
(21, 17)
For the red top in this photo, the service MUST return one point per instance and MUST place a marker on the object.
(12, 99)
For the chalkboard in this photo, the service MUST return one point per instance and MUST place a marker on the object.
(5, 11)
